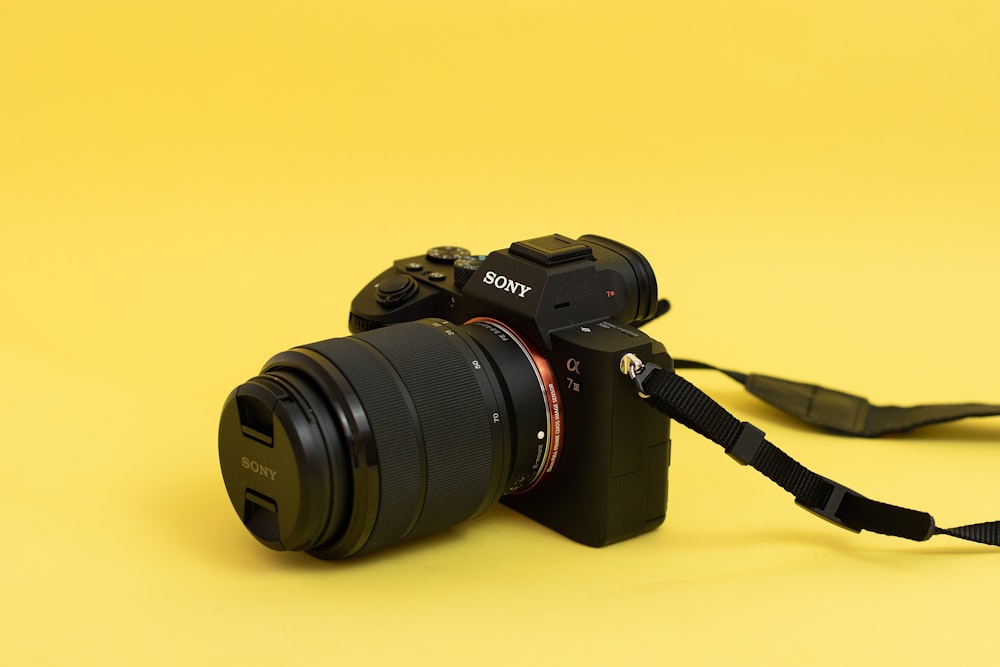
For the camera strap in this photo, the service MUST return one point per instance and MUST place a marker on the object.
(843, 413)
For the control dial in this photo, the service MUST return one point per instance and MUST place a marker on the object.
(465, 267)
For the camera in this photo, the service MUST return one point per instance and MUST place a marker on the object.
(468, 380)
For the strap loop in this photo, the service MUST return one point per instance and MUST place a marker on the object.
(638, 371)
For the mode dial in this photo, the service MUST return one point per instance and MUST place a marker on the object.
(446, 254)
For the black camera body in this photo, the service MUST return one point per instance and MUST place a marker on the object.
(469, 380)
(578, 303)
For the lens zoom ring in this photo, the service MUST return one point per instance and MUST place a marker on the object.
(393, 425)
(453, 418)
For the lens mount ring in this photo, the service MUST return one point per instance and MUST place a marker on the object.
(549, 439)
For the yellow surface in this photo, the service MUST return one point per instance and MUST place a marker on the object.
(187, 188)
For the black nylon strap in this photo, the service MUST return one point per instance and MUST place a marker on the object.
(844, 413)
(683, 402)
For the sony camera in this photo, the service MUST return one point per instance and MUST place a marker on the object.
(469, 380)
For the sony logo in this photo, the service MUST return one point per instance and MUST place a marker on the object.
(263, 471)
(504, 283)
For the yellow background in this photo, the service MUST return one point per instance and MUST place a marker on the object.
(189, 187)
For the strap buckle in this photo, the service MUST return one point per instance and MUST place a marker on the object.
(828, 510)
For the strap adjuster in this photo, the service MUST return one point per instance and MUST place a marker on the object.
(747, 443)
(829, 510)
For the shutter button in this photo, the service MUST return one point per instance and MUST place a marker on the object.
(395, 289)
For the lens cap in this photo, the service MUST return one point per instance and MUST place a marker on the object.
(272, 453)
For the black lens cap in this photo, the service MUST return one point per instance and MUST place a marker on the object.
(271, 452)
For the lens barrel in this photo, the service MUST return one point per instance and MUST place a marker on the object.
(351, 444)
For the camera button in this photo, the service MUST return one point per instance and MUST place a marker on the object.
(436, 276)
(414, 267)
(395, 289)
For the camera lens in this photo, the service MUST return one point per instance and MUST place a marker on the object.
(351, 444)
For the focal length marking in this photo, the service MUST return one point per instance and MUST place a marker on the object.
(502, 282)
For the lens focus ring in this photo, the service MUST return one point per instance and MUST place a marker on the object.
(431, 420)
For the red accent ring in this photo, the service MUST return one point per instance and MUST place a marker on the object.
(550, 396)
